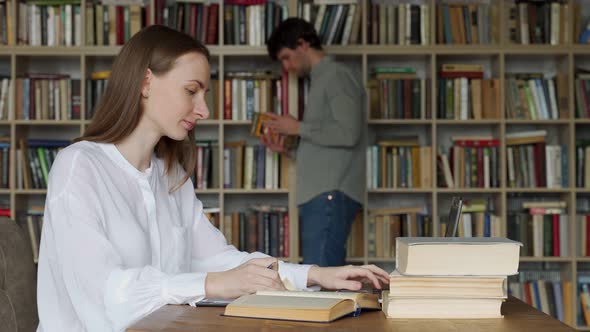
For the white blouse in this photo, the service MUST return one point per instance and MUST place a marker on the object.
(116, 245)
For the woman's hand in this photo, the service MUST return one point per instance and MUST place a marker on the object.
(252, 276)
(347, 277)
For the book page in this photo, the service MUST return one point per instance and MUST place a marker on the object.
(363, 300)
(286, 302)
(331, 295)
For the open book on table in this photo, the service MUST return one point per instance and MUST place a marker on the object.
(301, 306)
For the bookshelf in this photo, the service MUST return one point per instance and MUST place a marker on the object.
(498, 58)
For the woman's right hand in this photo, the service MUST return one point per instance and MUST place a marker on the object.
(252, 276)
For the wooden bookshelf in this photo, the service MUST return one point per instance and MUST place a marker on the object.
(363, 55)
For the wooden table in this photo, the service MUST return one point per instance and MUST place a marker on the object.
(518, 316)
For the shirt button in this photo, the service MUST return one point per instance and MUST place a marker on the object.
(329, 197)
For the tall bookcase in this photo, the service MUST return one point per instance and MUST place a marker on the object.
(499, 58)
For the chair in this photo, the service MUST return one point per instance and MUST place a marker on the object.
(18, 284)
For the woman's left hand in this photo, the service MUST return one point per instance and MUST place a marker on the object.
(349, 277)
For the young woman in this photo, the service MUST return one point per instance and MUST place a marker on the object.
(124, 233)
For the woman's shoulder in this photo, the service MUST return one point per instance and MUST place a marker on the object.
(76, 153)
(73, 162)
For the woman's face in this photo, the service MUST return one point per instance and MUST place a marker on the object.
(175, 101)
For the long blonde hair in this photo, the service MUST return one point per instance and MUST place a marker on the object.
(119, 110)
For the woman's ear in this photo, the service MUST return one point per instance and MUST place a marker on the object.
(145, 89)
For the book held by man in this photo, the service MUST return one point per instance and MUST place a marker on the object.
(257, 129)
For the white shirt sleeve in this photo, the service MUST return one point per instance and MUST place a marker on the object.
(100, 288)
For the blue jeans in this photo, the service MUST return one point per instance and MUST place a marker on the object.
(325, 223)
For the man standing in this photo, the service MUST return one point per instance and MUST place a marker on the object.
(330, 158)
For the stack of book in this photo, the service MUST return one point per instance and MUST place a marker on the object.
(450, 278)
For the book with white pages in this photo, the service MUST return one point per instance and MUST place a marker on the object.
(362, 299)
(442, 308)
(447, 286)
(456, 256)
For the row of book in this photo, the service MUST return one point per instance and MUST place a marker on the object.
(95, 87)
(398, 24)
(472, 162)
(583, 163)
(47, 97)
(478, 224)
(583, 229)
(386, 225)
(4, 163)
(253, 167)
(110, 25)
(212, 96)
(246, 93)
(534, 97)
(464, 94)
(33, 162)
(546, 291)
(263, 228)
(542, 232)
(477, 219)
(539, 22)
(251, 24)
(537, 165)
(339, 22)
(336, 23)
(33, 220)
(584, 298)
(198, 20)
(582, 98)
(389, 165)
(206, 174)
(532, 162)
(473, 23)
(6, 90)
(396, 93)
(6, 37)
(57, 24)
(394, 165)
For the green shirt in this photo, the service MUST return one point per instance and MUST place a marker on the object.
(331, 152)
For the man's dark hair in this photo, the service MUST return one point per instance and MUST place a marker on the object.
(288, 33)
